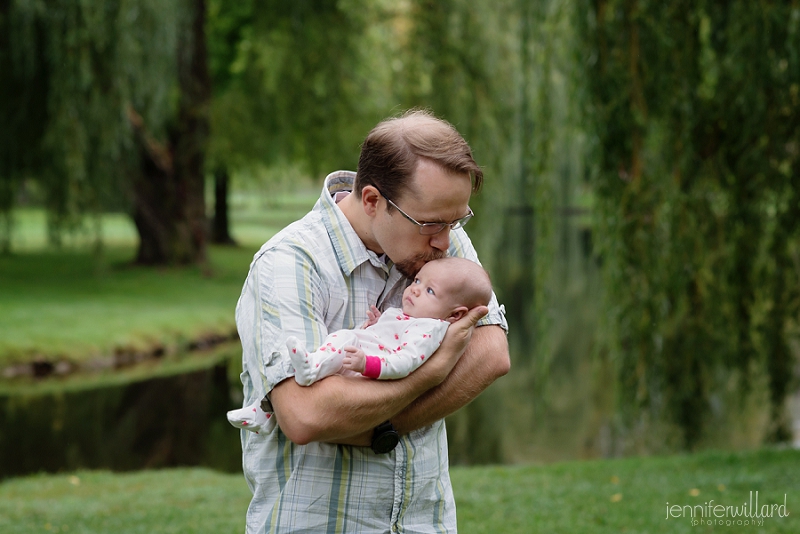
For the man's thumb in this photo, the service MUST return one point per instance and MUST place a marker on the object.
(476, 313)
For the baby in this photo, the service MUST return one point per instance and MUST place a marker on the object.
(392, 344)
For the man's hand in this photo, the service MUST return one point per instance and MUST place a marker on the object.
(354, 359)
(485, 360)
(453, 346)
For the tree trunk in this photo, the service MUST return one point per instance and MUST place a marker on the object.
(220, 227)
(169, 202)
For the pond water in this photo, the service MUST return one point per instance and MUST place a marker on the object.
(172, 413)
(157, 414)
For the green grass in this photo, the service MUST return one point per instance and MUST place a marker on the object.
(69, 305)
(148, 502)
(60, 306)
(628, 495)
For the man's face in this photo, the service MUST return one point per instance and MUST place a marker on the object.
(433, 195)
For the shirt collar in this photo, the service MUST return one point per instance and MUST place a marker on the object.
(350, 250)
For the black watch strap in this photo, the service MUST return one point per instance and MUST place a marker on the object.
(385, 438)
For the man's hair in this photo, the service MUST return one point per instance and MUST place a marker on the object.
(473, 281)
(391, 151)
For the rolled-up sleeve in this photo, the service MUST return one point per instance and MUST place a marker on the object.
(282, 297)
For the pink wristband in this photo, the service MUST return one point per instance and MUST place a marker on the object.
(372, 367)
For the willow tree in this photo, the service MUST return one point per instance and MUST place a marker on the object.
(169, 187)
(89, 93)
(23, 111)
(697, 140)
(301, 88)
(229, 26)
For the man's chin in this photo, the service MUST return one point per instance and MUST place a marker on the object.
(411, 266)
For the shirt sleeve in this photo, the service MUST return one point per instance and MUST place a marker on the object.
(461, 246)
(281, 297)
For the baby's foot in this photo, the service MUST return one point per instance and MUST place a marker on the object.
(304, 374)
(251, 418)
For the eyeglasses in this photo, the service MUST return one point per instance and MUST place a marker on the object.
(433, 228)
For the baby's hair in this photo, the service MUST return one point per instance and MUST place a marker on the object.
(474, 283)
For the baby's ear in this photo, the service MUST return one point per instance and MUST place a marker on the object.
(457, 314)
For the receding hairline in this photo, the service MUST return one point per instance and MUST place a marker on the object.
(418, 134)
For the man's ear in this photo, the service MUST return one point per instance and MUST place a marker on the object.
(369, 200)
(457, 314)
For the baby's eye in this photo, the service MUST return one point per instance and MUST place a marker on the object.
(416, 280)
(430, 291)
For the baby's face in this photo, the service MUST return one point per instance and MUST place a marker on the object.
(430, 294)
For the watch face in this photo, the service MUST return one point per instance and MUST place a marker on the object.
(385, 442)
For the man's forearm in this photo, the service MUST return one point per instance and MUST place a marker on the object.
(485, 360)
(340, 409)
(344, 410)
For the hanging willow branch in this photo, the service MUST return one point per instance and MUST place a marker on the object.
(696, 148)
(84, 64)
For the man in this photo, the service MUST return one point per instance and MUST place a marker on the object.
(350, 454)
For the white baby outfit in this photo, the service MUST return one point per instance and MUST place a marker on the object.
(395, 346)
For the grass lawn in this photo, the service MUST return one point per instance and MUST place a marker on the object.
(628, 495)
(67, 305)
(59, 306)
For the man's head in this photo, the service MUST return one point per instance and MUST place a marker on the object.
(391, 152)
(447, 289)
(421, 165)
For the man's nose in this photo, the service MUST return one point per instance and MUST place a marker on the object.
(441, 241)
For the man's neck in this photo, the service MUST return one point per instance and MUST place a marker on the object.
(354, 212)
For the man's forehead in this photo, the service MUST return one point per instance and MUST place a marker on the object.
(438, 186)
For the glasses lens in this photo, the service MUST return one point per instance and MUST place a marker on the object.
(432, 228)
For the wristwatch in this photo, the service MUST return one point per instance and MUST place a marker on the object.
(385, 438)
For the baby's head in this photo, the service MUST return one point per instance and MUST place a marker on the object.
(447, 289)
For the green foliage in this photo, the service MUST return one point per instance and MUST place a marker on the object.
(228, 24)
(506, 75)
(298, 86)
(696, 145)
(677, 118)
(70, 70)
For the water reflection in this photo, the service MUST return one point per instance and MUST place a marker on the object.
(164, 414)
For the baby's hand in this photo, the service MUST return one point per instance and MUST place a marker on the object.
(354, 359)
(372, 316)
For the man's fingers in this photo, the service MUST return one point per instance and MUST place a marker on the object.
(474, 315)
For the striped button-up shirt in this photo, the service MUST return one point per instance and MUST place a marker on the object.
(314, 277)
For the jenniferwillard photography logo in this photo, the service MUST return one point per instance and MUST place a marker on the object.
(749, 513)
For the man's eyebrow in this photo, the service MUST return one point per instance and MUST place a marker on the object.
(442, 221)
